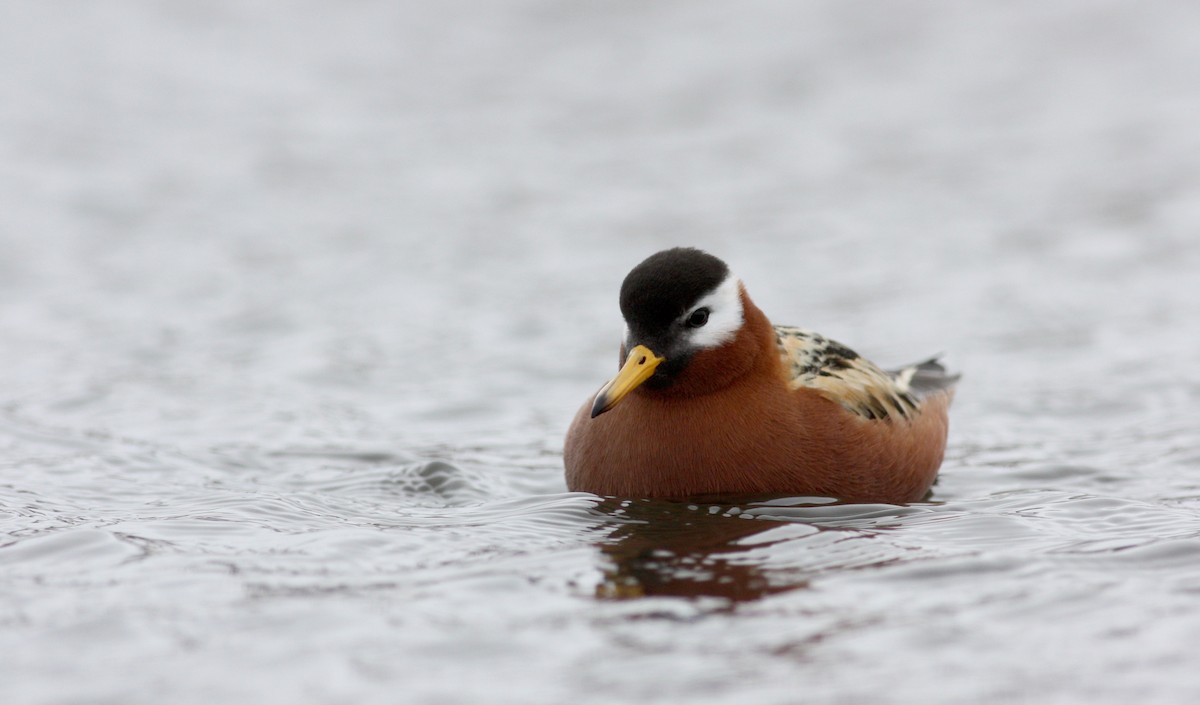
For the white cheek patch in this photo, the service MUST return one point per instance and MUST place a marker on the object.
(725, 315)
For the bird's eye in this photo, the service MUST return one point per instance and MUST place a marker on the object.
(698, 318)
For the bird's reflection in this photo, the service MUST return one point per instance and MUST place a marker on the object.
(680, 549)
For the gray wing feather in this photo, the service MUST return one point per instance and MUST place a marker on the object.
(925, 378)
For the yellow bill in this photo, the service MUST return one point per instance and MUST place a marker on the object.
(639, 366)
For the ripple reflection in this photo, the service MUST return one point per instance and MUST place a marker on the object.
(668, 549)
(742, 550)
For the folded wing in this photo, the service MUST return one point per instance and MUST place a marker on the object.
(842, 375)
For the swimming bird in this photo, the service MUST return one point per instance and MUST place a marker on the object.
(712, 399)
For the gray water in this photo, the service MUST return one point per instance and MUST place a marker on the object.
(297, 300)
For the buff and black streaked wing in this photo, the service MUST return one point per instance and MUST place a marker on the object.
(842, 375)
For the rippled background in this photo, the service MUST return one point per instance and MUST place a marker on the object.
(298, 298)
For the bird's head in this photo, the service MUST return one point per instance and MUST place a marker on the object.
(684, 315)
